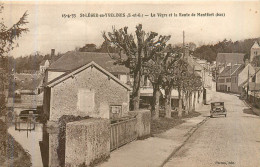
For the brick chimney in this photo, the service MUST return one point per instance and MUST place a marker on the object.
(52, 52)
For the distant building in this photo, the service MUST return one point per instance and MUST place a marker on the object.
(255, 51)
(25, 83)
(227, 80)
(44, 65)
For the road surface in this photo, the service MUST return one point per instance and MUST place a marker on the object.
(232, 141)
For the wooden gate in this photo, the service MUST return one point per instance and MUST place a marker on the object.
(122, 132)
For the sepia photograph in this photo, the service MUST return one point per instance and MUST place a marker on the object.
(130, 84)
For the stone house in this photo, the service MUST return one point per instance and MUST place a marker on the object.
(74, 59)
(89, 90)
(227, 80)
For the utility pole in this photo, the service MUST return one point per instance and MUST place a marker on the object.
(247, 83)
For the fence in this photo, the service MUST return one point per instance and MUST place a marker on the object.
(122, 132)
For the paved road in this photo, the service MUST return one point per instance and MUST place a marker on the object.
(231, 141)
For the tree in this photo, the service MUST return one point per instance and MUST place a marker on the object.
(133, 52)
(181, 77)
(169, 74)
(8, 36)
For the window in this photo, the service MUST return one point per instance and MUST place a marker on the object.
(228, 79)
(234, 80)
(115, 111)
(221, 80)
(145, 80)
(86, 101)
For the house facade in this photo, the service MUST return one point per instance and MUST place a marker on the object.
(227, 80)
(255, 51)
(87, 91)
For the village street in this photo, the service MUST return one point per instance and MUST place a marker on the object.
(230, 141)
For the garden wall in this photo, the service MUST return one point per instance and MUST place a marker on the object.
(87, 142)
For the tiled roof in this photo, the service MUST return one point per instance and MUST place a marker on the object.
(234, 58)
(73, 60)
(79, 69)
(228, 71)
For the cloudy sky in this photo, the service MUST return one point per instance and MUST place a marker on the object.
(48, 29)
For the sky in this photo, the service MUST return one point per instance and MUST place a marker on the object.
(49, 30)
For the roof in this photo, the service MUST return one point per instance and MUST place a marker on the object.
(233, 58)
(228, 71)
(196, 65)
(91, 64)
(73, 60)
(255, 46)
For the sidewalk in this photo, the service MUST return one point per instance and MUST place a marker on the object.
(255, 110)
(155, 151)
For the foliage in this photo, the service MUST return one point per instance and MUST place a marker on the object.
(9, 35)
(209, 52)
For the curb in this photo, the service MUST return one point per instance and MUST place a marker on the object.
(188, 135)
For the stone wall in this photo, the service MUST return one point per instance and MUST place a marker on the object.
(107, 92)
(87, 142)
(143, 125)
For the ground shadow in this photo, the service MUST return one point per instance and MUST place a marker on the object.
(249, 111)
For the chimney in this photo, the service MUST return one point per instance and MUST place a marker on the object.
(246, 62)
(52, 53)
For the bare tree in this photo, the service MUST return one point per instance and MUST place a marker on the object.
(134, 51)
(181, 75)
(170, 72)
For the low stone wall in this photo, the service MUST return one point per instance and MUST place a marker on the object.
(87, 142)
(143, 125)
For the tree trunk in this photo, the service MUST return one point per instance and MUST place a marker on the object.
(180, 103)
(190, 102)
(156, 98)
(167, 102)
(194, 101)
(187, 108)
(136, 89)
